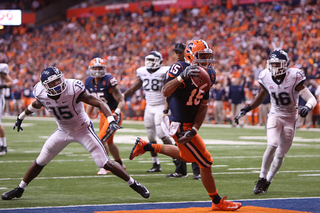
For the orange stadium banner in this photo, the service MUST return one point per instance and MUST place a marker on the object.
(28, 18)
(158, 6)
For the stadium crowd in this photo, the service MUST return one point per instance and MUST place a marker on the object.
(241, 37)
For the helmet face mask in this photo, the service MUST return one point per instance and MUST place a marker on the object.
(278, 62)
(97, 68)
(199, 53)
(53, 81)
(153, 61)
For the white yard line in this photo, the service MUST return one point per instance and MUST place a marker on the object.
(163, 174)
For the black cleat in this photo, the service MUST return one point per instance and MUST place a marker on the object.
(155, 168)
(196, 177)
(141, 189)
(176, 175)
(3, 150)
(259, 186)
(17, 192)
(266, 186)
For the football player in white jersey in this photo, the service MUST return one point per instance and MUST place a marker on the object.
(5, 82)
(284, 85)
(63, 99)
(151, 77)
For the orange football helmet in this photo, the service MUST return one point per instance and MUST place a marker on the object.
(97, 68)
(199, 53)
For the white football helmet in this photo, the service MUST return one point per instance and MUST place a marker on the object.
(278, 62)
(153, 61)
(53, 81)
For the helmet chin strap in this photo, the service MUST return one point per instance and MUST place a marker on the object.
(54, 97)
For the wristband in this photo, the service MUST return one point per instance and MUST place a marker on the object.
(22, 115)
(247, 108)
(195, 129)
(32, 109)
(118, 111)
(165, 111)
(110, 119)
(180, 79)
(309, 106)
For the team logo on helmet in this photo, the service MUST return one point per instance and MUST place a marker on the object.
(199, 53)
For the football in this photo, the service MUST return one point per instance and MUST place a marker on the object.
(203, 80)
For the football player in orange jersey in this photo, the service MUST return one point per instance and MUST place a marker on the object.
(181, 166)
(188, 105)
(104, 86)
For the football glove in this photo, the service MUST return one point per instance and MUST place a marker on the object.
(192, 70)
(242, 113)
(187, 136)
(117, 117)
(304, 111)
(114, 126)
(18, 124)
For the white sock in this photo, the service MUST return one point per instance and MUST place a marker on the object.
(4, 141)
(1, 141)
(23, 184)
(276, 164)
(156, 160)
(130, 181)
(267, 160)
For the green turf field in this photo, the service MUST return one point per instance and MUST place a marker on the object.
(70, 179)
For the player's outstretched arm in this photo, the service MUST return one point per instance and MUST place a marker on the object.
(262, 95)
(33, 107)
(90, 99)
(119, 97)
(137, 85)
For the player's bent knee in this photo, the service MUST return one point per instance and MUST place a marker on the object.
(151, 135)
(288, 135)
(111, 166)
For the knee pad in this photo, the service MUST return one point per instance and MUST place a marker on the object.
(160, 132)
(151, 135)
(270, 150)
(148, 121)
(288, 134)
(166, 140)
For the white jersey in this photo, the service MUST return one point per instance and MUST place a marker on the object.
(4, 68)
(284, 97)
(152, 84)
(69, 114)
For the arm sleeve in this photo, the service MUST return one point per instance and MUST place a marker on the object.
(308, 97)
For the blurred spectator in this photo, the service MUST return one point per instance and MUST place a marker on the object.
(241, 38)
(219, 97)
(8, 102)
(17, 97)
(236, 98)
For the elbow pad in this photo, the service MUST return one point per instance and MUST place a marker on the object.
(308, 97)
